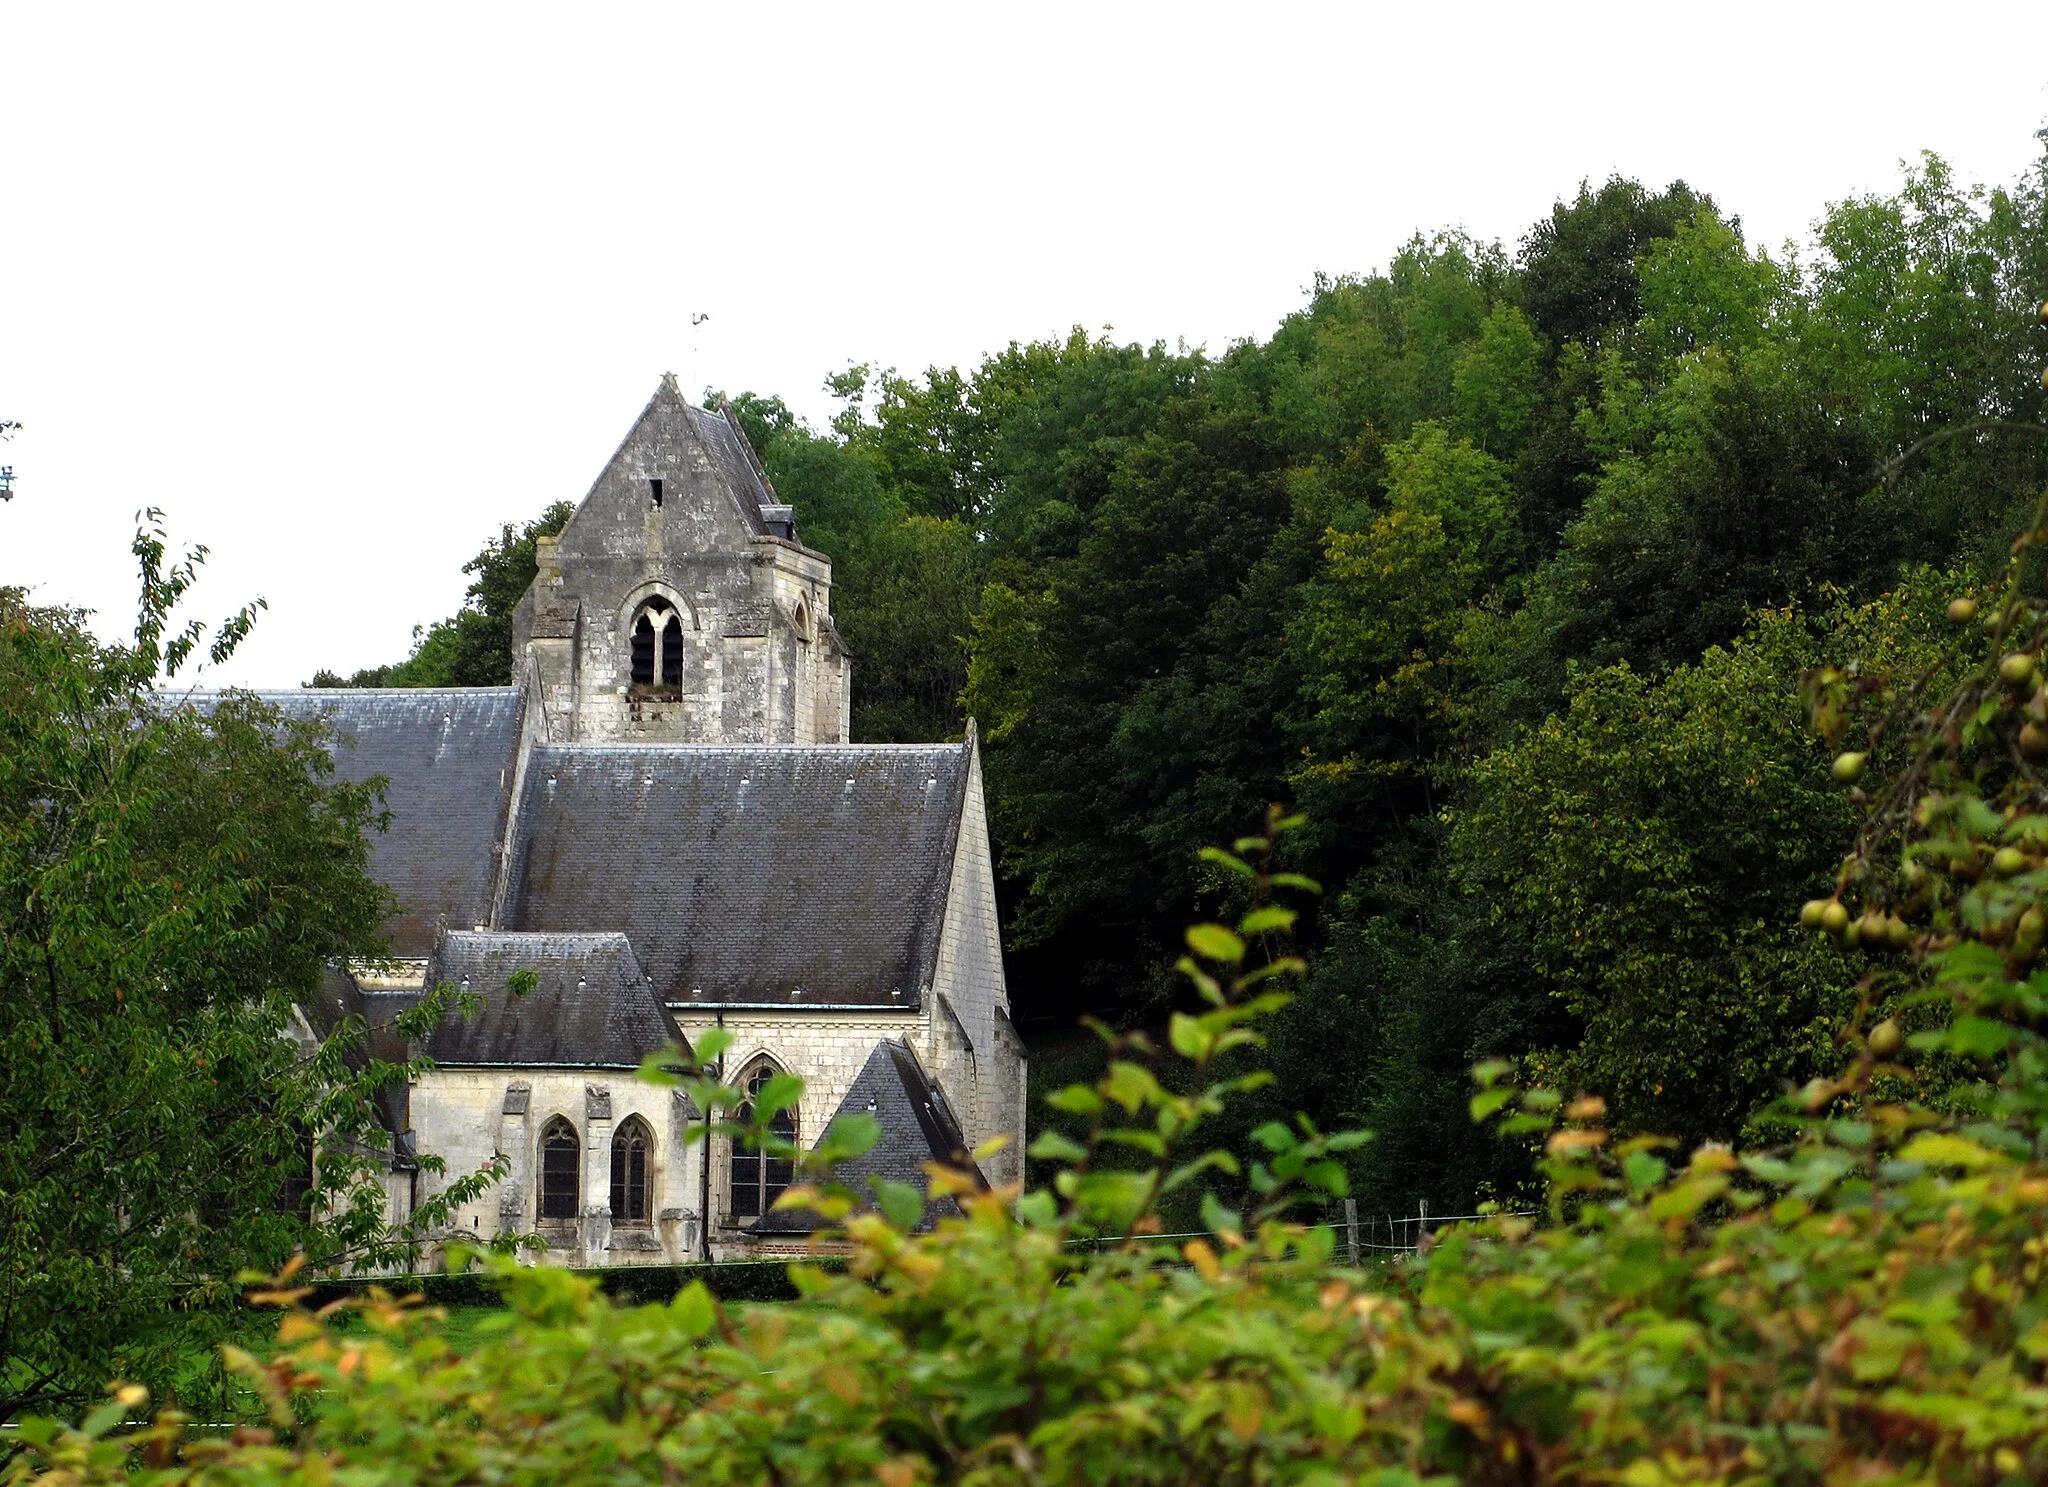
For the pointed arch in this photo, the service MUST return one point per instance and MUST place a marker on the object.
(758, 1175)
(632, 1172)
(657, 620)
(560, 1167)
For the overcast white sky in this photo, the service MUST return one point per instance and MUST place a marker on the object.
(343, 287)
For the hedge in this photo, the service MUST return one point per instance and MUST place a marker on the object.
(737, 1280)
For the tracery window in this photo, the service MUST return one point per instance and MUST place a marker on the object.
(630, 1149)
(759, 1177)
(657, 644)
(561, 1154)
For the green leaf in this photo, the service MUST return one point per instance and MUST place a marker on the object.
(1114, 1198)
(1215, 942)
(1131, 1085)
(900, 1203)
(1489, 1100)
(1329, 1176)
(1271, 919)
(1274, 1136)
(1229, 861)
(1051, 1146)
(1218, 1219)
(848, 1136)
(1210, 988)
(694, 1311)
(1075, 1099)
(1643, 1171)
(1189, 1037)
(1978, 1037)
(662, 1067)
(1219, 1161)
(777, 1093)
(1938, 1149)
(1146, 1141)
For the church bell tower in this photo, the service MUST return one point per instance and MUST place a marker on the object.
(678, 605)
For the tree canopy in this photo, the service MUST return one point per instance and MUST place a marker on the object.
(1470, 548)
(176, 875)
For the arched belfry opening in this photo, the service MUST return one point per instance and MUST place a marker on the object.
(658, 645)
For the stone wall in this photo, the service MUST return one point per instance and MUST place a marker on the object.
(983, 1073)
(742, 594)
(825, 1049)
(467, 1117)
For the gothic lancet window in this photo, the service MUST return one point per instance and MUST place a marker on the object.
(560, 1156)
(758, 1177)
(629, 1172)
(657, 645)
(671, 647)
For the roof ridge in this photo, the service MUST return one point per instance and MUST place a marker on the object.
(496, 690)
(597, 746)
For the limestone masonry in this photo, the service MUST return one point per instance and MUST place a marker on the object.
(663, 821)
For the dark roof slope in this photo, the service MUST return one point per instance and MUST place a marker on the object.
(727, 446)
(917, 1127)
(448, 755)
(592, 1007)
(747, 875)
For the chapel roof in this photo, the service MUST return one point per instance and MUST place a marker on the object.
(591, 1006)
(918, 1126)
(772, 875)
(448, 756)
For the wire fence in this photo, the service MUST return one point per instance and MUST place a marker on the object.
(1360, 1236)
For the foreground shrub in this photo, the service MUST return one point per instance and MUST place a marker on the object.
(1861, 1304)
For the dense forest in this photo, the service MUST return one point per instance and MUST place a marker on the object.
(1503, 566)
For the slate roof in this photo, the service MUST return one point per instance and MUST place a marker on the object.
(448, 755)
(729, 450)
(917, 1127)
(746, 875)
(592, 1007)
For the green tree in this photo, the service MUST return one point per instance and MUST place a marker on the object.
(1579, 266)
(1640, 848)
(174, 881)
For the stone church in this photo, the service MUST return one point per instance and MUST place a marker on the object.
(663, 819)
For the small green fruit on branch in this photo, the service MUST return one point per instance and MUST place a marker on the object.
(1849, 767)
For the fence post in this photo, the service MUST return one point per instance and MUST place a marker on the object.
(1351, 1229)
(1421, 1222)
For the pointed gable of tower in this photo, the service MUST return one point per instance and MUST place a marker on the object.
(682, 482)
(677, 605)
